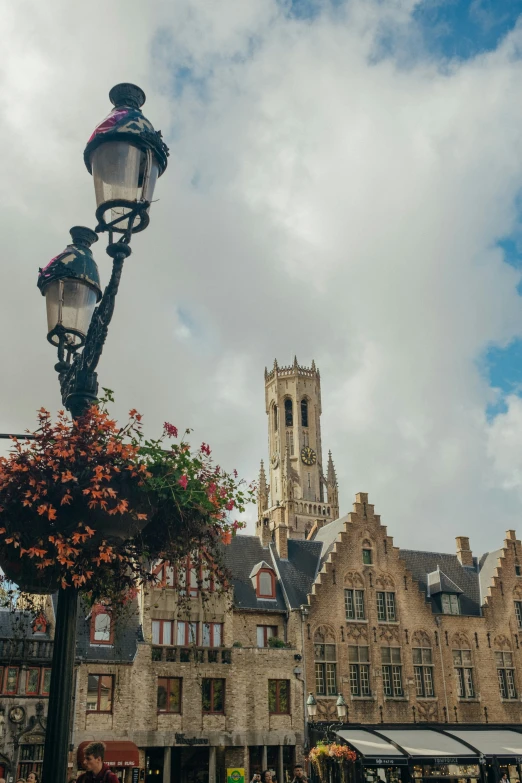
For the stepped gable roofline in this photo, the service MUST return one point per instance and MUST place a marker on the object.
(439, 582)
(329, 534)
(488, 564)
(292, 369)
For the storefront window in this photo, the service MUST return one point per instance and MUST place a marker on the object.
(511, 770)
(382, 774)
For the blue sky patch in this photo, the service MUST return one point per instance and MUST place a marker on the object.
(465, 28)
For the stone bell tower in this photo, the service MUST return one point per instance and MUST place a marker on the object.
(297, 494)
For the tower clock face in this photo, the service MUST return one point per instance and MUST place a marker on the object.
(308, 455)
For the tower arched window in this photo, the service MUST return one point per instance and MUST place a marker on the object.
(290, 442)
(289, 415)
(304, 412)
(274, 409)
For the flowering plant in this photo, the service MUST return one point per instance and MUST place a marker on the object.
(92, 505)
(323, 754)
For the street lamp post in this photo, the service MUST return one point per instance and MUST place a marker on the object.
(125, 156)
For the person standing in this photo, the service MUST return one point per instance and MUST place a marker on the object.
(299, 776)
(97, 770)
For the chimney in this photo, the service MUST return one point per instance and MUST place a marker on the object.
(281, 541)
(464, 553)
(263, 531)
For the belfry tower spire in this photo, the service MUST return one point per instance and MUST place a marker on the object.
(296, 484)
(262, 492)
(332, 487)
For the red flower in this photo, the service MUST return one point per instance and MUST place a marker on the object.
(170, 430)
(230, 505)
(205, 449)
(183, 482)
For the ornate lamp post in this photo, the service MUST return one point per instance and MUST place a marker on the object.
(125, 156)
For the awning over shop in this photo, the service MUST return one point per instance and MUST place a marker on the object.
(397, 746)
(373, 749)
(428, 744)
(502, 743)
(117, 754)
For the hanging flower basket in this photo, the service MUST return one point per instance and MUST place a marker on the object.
(91, 505)
(326, 756)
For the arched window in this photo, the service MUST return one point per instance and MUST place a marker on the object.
(275, 417)
(304, 412)
(325, 656)
(101, 625)
(289, 416)
(290, 442)
(265, 584)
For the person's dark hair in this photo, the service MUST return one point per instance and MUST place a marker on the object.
(37, 779)
(265, 772)
(298, 766)
(95, 749)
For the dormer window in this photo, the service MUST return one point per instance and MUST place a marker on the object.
(450, 603)
(265, 585)
(101, 625)
(40, 624)
(264, 581)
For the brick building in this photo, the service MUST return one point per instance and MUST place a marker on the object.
(424, 647)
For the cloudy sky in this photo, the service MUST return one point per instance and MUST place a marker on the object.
(344, 185)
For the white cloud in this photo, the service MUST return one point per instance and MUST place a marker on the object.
(344, 211)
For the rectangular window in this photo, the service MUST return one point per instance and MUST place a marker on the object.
(450, 604)
(169, 694)
(325, 670)
(367, 556)
(213, 696)
(518, 570)
(46, 682)
(264, 633)
(463, 673)
(518, 613)
(278, 697)
(423, 671)
(386, 609)
(162, 631)
(354, 604)
(359, 671)
(99, 692)
(187, 633)
(506, 675)
(11, 680)
(212, 634)
(164, 573)
(391, 671)
(32, 683)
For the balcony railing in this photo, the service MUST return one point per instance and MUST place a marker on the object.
(26, 649)
(192, 654)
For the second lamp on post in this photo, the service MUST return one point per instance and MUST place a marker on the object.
(125, 156)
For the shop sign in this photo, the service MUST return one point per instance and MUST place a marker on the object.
(135, 775)
(236, 775)
(394, 761)
(182, 740)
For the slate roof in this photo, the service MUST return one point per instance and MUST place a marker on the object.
(127, 634)
(295, 576)
(420, 564)
(240, 557)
